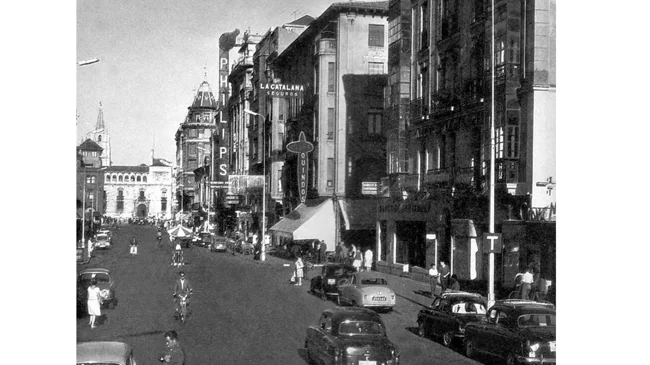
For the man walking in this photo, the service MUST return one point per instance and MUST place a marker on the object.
(444, 275)
(175, 354)
(434, 281)
(526, 283)
(322, 257)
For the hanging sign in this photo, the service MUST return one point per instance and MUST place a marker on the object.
(281, 90)
(302, 147)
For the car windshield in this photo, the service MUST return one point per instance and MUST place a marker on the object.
(101, 278)
(374, 281)
(468, 308)
(102, 237)
(361, 328)
(536, 320)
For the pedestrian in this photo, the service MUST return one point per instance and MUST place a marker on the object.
(434, 281)
(367, 259)
(526, 283)
(455, 285)
(257, 250)
(94, 302)
(356, 257)
(323, 252)
(444, 275)
(337, 253)
(134, 247)
(299, 270)
(175, 355)
(295, 250)
(344, 253)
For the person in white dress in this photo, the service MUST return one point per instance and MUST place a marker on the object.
(94, 302)
(367, 260)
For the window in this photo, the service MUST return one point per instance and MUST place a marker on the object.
(442, 152)
(99, 138)
(119, 178)
(141, 197)
(90, 179)
(375, 35)
(499, 52)
(144, 179)
(163, 203)
(132, 178)
(191, 149)
(330, 172)
(512, 142)
(330, 123)
(202, 130)
(192, 164)
(193, 133)
(331, 76)
(375, 68)
(120, 199)
(374, 122)
(138, 179)
(90, 195)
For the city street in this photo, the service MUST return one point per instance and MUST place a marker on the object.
(243, 311)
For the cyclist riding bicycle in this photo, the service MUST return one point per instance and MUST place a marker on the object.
(177, 255)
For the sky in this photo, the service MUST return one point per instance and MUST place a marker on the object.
(153, 57)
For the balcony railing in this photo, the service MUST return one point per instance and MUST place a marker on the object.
(419, 110)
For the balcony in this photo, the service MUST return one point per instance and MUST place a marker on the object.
(325, 46)
(437, 176)
(474, 92)
(445, 100)
(419, 110)
(243, 61)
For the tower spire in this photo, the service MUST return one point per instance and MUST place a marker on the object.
(100, 118)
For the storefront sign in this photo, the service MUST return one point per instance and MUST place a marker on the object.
(408, 207)
(281, 90)
(492, 243)
(369, 187)
(232, 199)
(302, 148)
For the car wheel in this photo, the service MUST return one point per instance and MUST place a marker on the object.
(448, 338)
(470, 351)
(511, 359)
(421, 331)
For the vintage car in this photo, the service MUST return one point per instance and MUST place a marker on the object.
(519, 331)
(102, 241)
(104, 282)
(202, 239)
(350, 336)
(104, 353)
(326, 284)
(449, 314)
(219, 244)
(366, 289)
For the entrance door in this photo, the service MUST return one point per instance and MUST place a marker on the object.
(142, 211)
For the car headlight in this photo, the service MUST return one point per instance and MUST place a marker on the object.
(533, 347)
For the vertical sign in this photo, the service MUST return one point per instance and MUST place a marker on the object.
(302, 148)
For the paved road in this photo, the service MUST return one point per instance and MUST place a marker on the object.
(244, 311)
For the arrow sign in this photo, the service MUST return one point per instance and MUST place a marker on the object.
(492, 243)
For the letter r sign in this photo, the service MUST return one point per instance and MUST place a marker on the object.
(492, 243)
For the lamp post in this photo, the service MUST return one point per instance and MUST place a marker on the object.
(491, 297)
(263, 238)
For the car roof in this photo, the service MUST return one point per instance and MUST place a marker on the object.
(460, 295)
(95, 270)
(337, 265)
(369, 274)
(359, 314)
(527, 306)
(102, 351)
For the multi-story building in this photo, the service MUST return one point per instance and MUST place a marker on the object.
(341, 60)
(193, 147)
(271, 162)
(90, 187)
(240, 79)
(143, 191)
(444, 178)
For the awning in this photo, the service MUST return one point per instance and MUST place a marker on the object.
(359, 213)
(463, 228)
(305, 222)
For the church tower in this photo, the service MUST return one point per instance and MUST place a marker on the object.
(101, 136)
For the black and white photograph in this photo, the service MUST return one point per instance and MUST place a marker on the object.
(355, 182)
(317, 182)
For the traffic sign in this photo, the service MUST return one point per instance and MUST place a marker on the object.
(492, 243)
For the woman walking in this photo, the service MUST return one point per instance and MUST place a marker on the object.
(94, 302)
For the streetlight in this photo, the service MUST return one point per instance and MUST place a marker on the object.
(262, 254)
(491, 296)
(88, 62)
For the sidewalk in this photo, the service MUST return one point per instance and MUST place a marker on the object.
(412, 290)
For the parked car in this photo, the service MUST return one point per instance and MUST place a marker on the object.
(519, 331)
(106, 232)
(366, 289)
(350, 336)
(102, 241)
(104, 282)
(104, 352)
(203, 239)
(449, 314)
(326, 284)
(219, 244)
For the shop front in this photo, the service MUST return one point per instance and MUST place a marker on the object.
(307, 222)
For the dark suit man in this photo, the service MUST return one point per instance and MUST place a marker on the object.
(181, 286)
